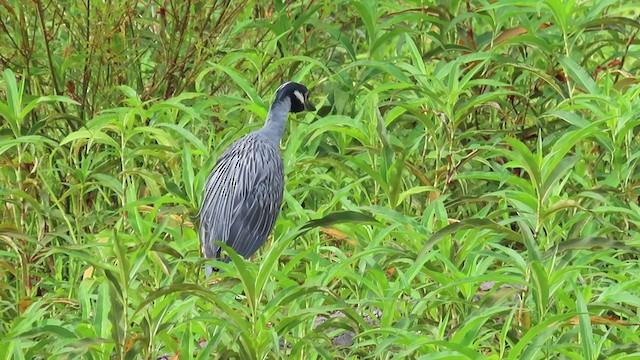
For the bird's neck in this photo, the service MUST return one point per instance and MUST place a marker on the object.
(277, 120)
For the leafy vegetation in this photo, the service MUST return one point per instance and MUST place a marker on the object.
(494, 143)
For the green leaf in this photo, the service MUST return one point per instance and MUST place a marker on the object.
(579, 75)
(192, 289)
(55, 330)
(480, 100)
(560, 205)
(367, 12)
(102, 306)
(611, 23)
(187, 348)
(338, 123)
(591, 243)
(560, 10)
(523, 156)
(270, 261)
(421, 189)
(530, 242)
(541, 74)
(237, 78)
(187, 173)
(341, 37)
(7, 113)
(394, 176)
(532, 343)
(14, 97)
(246, 277)
(91, 135)
(339, 217)
(480, 224)
(540, 287)
(7, 144)
(45, 99)
(559, 171)
(416, 56)
(303, 59)
(586, 332)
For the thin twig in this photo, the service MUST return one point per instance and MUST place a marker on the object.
(626, 50)
(54, 79)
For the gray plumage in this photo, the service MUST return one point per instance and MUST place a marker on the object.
(243, 193)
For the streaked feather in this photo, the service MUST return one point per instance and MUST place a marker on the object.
(243, 195)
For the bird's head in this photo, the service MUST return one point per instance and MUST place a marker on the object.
(298, 94)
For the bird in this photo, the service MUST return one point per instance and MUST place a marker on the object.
(243, 193)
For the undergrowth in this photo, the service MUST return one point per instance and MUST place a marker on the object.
(468, 188)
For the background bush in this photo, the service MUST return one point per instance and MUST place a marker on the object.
(494, 143)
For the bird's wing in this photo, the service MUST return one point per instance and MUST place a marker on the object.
(242, 197)
(215, 211)
(259, 204)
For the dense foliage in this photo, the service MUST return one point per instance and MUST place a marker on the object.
(469, 184)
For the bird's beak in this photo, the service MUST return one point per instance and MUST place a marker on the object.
(308, 105)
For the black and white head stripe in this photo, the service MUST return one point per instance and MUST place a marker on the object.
(297, 94)
(282, 86)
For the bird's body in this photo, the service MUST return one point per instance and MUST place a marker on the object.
(243, 193)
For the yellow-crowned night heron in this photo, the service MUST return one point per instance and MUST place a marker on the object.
(243, 194)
